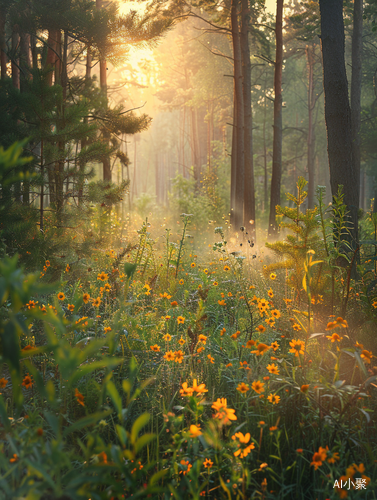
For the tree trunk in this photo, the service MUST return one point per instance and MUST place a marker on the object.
(265, 180)
(103, 84)
(357, 49)
(310, 56)
(337, 110)
(3, 54)
(53, 37)
(240, 168)
(278, 122)
(249, 189)
(15, 60)
(233, 164)
(88, 76)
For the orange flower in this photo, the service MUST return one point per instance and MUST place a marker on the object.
(86, 298)
(270, 321)
(228, 365)
(222, 332)
(178, 356)
(181, 282)
(27, 382)
(107, 329)
(71, 307)
(298, 347)
(193, 264)
(339, 322)
(276, 313)
(221, 302)
(180, 320)
(211, 359)
(272, 276)
(334, 337)
(102, 457)
(226, 268)
(273, 398)
(261, 349)
(3, 383)
(202, 338)
(102, 276)
(169, 356)
(155, 348)
(195, 431)
(274, 346)
(261, 329)
(207, 463)
(235, 335)
(174, 303)
(366, 355)
(184, 462)
(61, 296)
(13, 459)
(250, 343)
(319, 457)
(199, 389)
(47, 263)
(96, 302)
(296, 327)
(272, 368)
(304, 388)
(257, 386)
(181, 341)
(79, 397)
(243, 439)
(270, 293)
(40, 432)
(223, 413)
(243, 388)
(167, 337)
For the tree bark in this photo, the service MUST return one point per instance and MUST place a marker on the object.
(249, 189)
(278, 122)
(233, 164)
(15, 60)
(3, 54)
(337, 110)
(240, 169)
(357, 49)
(310, 56)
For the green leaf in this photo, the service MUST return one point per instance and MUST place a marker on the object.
(115, 397)
(129, 269)
(85, 421)
(143, 441)
(139, 423)
(361, 364)
(157, 476)
(3, 414)
(96, 365)
(40, 472)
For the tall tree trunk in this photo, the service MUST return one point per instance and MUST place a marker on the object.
(15, 60)
(278, 122)
(84, 141)
(240, 170)
(3, 53)
(103, 84)
(233, 164)
(310, 57)
(337, 110)
(25, 65)
(53, 37)
(265, 180)
(357, 50)
(249, 189)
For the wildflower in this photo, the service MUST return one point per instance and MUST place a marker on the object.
(338, 322)
(199, 389)
(360, 346)
(243, 388)
(334, 337)
(107, 329)
(274, 346)
(297, 347)
(263, 305)
(374, 304)
(165, 296)
(226, 268)
(222, 332)
(169, 356)
(180, 320)
(257, 386)
(230, 294)
(202, 338)
(47, 263)
(299, 450)
(262, 466)
(223, 413)
(178, 356)
(102, 457)
(27, 348)
(270, 293)
(42, 308)
(334, 457)
(155, 348)
(319, 457)
(14, 458)
(195, 431)
(181, 282)
(261, 329)
(67, 269)
(304, 388)
(207, 463)
(148, 289)
(228, 365)
(296, 327)
(193, 264)
(31, 304)
(40, 432)
(61, 296)
(181, 341)
(270, 321)
(71, 307)
(184, 462)
(276, 313)
(272, 368)
(107, 287)
(102, 277)
(167, 318)
(273, 398)
(235, 335)
(273, 428)
(79, 397)
(261, 349)
(272, 276)
(167, 337)
(250, 343)
(186, 390)
(86, 298)
(3, 383)
(215, 283)
(200, 349)
(27, 382)
(96, 302)
(211, 359)
(221, 302)
(366, 355)
(243, 440)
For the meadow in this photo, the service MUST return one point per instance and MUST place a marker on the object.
(184, 361)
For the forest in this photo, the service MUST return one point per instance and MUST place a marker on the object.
(188, 249)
